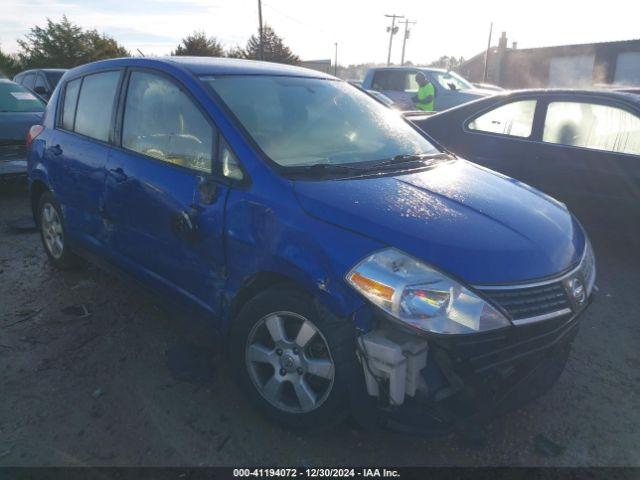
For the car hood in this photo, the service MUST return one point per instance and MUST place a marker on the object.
(14, 126)
(479, 92)
(476, 224)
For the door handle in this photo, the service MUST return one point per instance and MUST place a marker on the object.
(184, 225)
(56, 149)
(118, 174)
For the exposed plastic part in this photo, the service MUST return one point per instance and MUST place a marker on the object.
(396, 358)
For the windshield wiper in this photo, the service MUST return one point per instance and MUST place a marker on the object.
(324, 168)
(410, 157)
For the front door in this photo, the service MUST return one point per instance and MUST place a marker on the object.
(163, 206)
(502, 139)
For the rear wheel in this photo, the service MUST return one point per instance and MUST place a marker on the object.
(53, 234)
(291, 361)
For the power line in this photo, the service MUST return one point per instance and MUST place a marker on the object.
(392, 31)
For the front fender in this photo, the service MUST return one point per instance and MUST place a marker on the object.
(280, 238)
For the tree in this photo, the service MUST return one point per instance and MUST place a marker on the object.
(197, 44)
(274, 48)
(236, 52)
(445, 61)
(9, 65)
(65, 45)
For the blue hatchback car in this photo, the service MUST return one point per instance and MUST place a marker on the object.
(349, 262)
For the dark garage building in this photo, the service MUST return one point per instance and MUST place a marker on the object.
(583, 65)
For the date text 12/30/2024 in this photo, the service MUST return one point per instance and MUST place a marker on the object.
(315, 473)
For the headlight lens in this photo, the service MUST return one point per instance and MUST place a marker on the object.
(422, 297)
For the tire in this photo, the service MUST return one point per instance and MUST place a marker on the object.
(291, 405)
(51, 224)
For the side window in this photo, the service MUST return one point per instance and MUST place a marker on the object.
(411, 86)
(29, 81)
(514, 119)
(69, 104)
(590, 125)
(40, 82)
(161, 121)
(394, 81)
(95, 105)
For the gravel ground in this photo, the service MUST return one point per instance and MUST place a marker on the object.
(95, 389)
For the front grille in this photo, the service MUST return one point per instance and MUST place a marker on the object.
(527, 302)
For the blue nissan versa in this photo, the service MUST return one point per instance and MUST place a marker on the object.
(350, 264)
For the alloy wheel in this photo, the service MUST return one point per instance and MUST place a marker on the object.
(52, 232)
(289, 362)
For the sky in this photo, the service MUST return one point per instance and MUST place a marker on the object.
(310, 28)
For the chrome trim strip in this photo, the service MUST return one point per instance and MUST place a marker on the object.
(539, 318)
(517, 286)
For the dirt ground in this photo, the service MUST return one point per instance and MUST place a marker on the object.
(94, 388)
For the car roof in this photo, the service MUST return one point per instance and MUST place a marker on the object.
(62, 70)
(587, 92)
(412, 69)
(206, 66)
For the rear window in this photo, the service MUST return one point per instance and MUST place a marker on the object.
(15, 98)
(95, 105)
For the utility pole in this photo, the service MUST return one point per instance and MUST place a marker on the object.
(407, 32)
(260, 30)
(335, 62)
(392, 31)
(486, 55)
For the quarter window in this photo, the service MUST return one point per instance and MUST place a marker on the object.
(514, 119)
(590, 125)
(69, 105)
(162, 122)
(95, 105)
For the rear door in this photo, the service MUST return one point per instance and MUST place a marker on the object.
(164, 199)
(589, 157)
(76, 151)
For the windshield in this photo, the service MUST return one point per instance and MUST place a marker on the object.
(452, 81)
(15, 98)
(308, 121)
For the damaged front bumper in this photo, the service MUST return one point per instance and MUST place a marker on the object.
(465, 379)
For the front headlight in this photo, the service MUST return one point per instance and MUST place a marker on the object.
(420, 296)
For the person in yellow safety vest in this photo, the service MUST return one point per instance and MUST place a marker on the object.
(426, 93)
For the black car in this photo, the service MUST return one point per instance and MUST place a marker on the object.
(19, 110)
(42, 81)
(580, 146)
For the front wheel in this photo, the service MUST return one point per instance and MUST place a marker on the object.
(291, 360)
